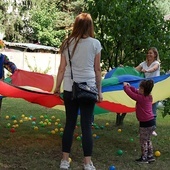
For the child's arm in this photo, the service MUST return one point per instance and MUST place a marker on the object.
(10, 66)
(131, 91)
(131, 87)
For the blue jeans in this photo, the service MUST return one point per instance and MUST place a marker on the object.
(72, 108)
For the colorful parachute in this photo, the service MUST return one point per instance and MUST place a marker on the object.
(34, 87)
(115, 99)
(38, 88)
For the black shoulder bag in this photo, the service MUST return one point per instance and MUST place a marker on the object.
(82, 90)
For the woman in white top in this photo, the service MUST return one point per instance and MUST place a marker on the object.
(151, 68)
(85, 52)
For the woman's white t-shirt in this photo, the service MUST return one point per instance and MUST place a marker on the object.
(152, 74)
(82, 62)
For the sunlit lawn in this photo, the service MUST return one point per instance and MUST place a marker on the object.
(36, 143)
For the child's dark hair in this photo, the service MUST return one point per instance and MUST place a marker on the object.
(147, 86)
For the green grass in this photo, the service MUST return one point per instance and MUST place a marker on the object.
(29, 149)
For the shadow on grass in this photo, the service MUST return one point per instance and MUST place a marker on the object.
(36, 149)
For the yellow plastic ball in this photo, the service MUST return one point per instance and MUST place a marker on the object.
(20, 121)
(16, 125)
(35, 128)
(25, 118)
(7, 117)
(56, 123)
(52, 117)
(49, 123)
(15, 121)
(22, 115)
(119, 130)
(94, 135)
(157, 154)
(58, 120)
(41, 117)
(41, 122)
(13, 126)
(46, 120)
(107, 124)
(45, 123)
(52, 131)
(56, 129)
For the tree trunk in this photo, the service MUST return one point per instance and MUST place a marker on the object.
(119, 119)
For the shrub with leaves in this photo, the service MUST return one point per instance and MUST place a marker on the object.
(166, 109)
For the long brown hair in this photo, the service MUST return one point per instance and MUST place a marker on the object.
(82, 28)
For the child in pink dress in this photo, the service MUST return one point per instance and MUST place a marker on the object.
(145, 117)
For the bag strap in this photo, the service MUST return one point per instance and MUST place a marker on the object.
(70, 63)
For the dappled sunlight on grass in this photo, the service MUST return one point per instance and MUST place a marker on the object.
(40, 148)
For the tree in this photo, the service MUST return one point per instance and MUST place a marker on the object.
(166, 106)
(47, 21)
(13, 17)
(164, 6)
(127, 29)
(3, 16)
(51, 21)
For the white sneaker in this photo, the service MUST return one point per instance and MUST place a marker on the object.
(154, 133)
(89, 166)
(64, 165)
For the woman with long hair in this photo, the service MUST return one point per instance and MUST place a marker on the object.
(85, 54)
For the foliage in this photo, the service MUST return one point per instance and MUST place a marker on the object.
(42, 24)
(51, 21)
(166, 108)
(127, 29)
(3, 16)
(164, 5)
(44, 21)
